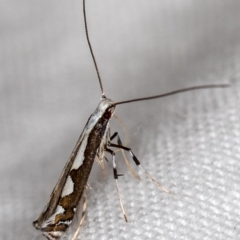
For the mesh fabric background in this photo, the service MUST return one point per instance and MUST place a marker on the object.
(189, 142)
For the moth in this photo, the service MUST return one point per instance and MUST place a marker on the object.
(68, 196)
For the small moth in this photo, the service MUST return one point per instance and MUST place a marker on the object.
(68, 196)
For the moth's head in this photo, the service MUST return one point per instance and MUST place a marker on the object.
(106, 107)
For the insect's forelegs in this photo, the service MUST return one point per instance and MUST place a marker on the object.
(137, 162)
(124, 156)
(116, 175)
(113, 136)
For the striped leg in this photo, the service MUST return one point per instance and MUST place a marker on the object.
(138, 164)
(116, 175)
(124, 156)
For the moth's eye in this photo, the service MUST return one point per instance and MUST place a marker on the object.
(107, 114)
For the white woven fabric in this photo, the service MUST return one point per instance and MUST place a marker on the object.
(189, 142)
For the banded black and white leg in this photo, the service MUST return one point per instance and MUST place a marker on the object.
(116, 175)
(124, 156)
(137, 162)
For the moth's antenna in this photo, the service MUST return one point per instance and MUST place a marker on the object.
(175, 92)
(90, 47)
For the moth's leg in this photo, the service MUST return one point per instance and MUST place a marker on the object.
(100, 154)
(124, 156)
(101, 164)
(113, 136)
(137, 162)
(84, 207)
(116, 175)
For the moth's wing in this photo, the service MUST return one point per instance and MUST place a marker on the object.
(49, 209)
(74, 229)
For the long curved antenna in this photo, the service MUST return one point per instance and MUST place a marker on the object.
(175, 92)
(90, 47)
